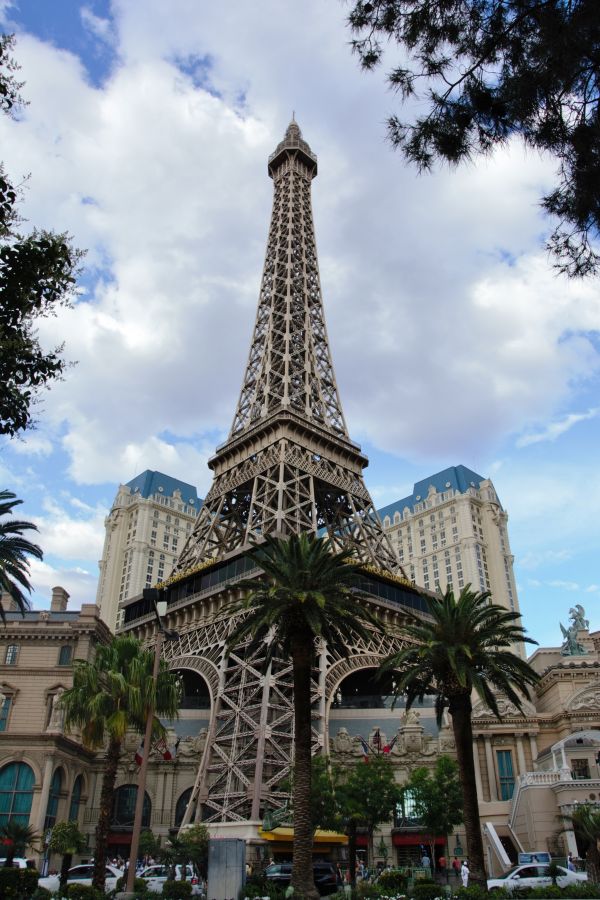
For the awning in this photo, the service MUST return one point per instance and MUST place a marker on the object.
(285, 833)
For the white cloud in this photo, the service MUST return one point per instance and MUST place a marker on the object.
(555, 429)
(79, 584)
(68, 536)
(99, 27)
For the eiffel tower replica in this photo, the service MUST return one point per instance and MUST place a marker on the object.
(288, 466)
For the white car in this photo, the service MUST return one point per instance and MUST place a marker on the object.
(82, 875)
(155, 877)
(531, 876)
(18, 863)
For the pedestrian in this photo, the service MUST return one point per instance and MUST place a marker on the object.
(442, 866)
(464, 873)
(425, 861)
(456, 866)
(571, 863)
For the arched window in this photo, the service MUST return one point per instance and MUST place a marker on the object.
(53, 798)
(75, 799)
(181, 807)
(124, 807)
(16, 793)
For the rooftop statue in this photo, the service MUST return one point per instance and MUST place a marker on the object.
(571, 646)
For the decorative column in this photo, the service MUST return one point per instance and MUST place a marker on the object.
(521, 755)
(534, 749)
(44, 794)
(489, 758)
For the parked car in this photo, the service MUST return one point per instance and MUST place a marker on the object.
(155, 876)
(82, 875)
(19, 863)
(325, 875)
(533, 876)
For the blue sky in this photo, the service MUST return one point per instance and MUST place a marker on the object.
(146, 136)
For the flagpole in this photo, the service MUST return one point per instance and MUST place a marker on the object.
(141, 791)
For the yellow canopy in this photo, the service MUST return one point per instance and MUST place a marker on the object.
(285, 833)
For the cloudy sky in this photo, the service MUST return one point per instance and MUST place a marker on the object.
(146, 137)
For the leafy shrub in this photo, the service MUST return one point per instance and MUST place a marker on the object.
(17, 884)
(393, 880)
(140, 886)
(427, 891)
(41, 893)
(552, 890)
(477, 892)
(581, 890)
(83, 892)
(177, 890)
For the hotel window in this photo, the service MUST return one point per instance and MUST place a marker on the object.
(5, 712)
(12, 653)
(506, 775)
(65, 655)
(580, 769)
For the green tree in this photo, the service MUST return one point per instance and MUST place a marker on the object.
(585, 820)
(487, 71)
(66, 839)
(195, 839)
(367, 795)
(149, 844)
(466, 645)
(37, 276)
(324, 811)
(14, 552)
(307, 592)
(435, 799)
(111, 695)
(15, 838)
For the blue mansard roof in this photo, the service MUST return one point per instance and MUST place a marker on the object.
(457, 478)
(149, 483)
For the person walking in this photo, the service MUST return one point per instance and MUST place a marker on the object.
(425, 861)
(456, 867)
(464, 873)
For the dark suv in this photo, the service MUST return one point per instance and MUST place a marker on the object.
(325, 875)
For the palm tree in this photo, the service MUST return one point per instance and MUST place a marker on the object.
(66, 839)
(14, 550)
(307, 593)
(464, 646)
(110, 696)
(15, 838)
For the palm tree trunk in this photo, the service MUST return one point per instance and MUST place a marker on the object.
(64, 869)
(302, 870)
(592, 862)
(460, 710)
(113, 755)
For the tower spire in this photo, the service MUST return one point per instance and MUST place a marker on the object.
(288, 464)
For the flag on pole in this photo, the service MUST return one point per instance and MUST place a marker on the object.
(389, 747)
(365, 747)
(377, 739)
(139, 754)
(167, 752)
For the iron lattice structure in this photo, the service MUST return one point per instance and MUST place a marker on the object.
(289, 464)
(248, 756)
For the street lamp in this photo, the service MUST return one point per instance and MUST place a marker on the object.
(160, 610)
